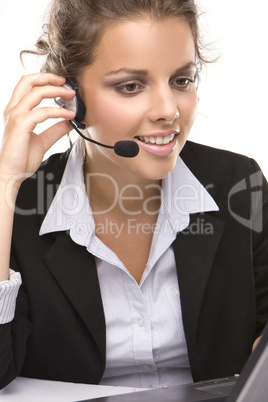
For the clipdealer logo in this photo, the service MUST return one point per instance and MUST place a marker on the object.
(251, 188)
(255, 221)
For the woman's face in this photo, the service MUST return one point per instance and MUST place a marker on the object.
(141, 88)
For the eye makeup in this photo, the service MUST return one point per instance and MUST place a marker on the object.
(129, 81)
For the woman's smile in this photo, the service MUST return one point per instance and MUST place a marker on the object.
(161, 144)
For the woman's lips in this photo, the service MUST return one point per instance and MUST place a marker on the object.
(160, 144)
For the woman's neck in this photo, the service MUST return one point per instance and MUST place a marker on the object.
(121, 193)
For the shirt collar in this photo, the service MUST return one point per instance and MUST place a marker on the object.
(70, 209)
(182, 195)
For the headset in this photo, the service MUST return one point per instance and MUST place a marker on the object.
(127, 148)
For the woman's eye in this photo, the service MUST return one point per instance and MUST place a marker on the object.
(130, 88)
(183, 82)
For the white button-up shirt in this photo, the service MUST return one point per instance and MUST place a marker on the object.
(145, 341)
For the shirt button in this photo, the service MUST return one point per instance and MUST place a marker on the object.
(141, 322)
(146, 367)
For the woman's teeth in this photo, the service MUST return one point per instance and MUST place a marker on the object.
(157, 140)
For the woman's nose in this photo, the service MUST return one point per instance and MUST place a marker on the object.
(163, 106)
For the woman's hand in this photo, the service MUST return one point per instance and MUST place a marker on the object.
(22, 150)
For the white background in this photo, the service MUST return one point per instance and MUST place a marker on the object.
(233, 93)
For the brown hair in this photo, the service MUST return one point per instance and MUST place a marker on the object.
(75, 27)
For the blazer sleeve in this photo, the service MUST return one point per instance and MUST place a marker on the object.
(259, 213)
(15, 334)
(13, 339)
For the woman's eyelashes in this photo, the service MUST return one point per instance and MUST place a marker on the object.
(133, 88)
(183, 82)
(129, 88)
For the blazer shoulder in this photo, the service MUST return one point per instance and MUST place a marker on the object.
(49, 175)
(209, 163)
(226, 176)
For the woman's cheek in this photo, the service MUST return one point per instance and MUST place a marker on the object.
(113, 121)
(190, 108)
(108, 110)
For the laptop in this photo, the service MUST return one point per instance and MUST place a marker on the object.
(250, 386)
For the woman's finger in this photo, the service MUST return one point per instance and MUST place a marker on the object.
(38, 94)
(54, 133)
(28, 82)
(26, 122)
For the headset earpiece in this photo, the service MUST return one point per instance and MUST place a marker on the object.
(75, 104)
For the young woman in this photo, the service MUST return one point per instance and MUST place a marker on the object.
(138, 269)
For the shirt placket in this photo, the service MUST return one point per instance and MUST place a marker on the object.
(142, 334)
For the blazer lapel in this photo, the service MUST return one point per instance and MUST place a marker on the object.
(195, 249)
(74, 269)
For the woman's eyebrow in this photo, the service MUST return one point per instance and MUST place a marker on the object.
(186, 67)
(130, 71)
(127, 71)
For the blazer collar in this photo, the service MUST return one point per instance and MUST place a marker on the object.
(75, 271)
(195, 249)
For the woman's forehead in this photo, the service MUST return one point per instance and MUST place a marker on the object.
(145, 42)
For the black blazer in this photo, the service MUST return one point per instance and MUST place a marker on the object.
(58, 332)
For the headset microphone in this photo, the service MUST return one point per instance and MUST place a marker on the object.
(127, 148)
